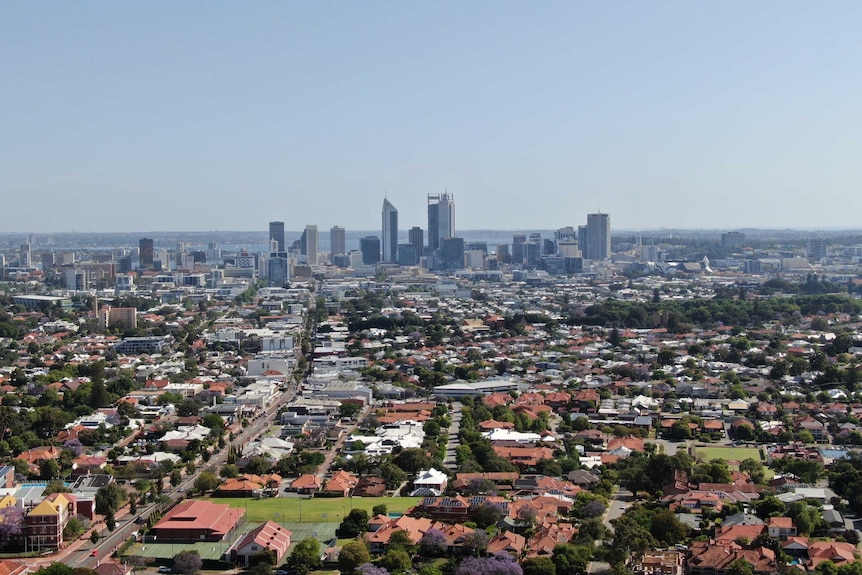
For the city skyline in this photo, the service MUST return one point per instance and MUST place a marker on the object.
(715, 116)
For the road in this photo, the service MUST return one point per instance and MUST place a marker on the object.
(450, 460)
(618, 505)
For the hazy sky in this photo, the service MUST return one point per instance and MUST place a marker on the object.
(225, 115)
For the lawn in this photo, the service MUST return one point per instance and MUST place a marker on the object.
(729, 453)
(317, 510)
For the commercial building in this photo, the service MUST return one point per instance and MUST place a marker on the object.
(390, 232)
(125, 318)
(441, 219)
(278, 269)
(276, 234)
(337, 243)
(417, 238)
(145, 253)
(370, 248)
(311, 244)
(598, 236)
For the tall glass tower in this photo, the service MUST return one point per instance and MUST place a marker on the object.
(390, 232)
(441, 219)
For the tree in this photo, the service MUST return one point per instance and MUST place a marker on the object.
(371, 569)
(487, 514)
(355, 524)
(739, 567)
(229, 471)
(110, 498)
(754, 468)
(571, 559)
(11, 524)
(94, 537)
(496, 565)
(475, 543)
(666, 528)
(74, 528)
(349, 410)
(379, 510)
(539, 566)
(176, 478)
(353, 554)
(396, 561)
(206, 481)
(49, 469)
(400, 539)
(187, 562)
(433, 543)
(258, 465)
(110, 521)
(305, 556)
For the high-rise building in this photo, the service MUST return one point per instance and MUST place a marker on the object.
(145, 253)
(311, 244)
(416, 237)
(278, 269)
(441, 219)
(370, 248)
(337, 242)
(407, 255)
(451, 254)
(390, 232)
(598, 236)
(730, 240)
(582, 240)
(518, 248)
(817, 248)
(276, 233)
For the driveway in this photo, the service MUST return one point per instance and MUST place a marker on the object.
(618, 505)
(453, 443)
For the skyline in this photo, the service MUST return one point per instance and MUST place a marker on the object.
(666, 116)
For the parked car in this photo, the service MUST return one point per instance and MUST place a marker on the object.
(165, 569)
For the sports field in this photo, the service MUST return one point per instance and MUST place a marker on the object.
(317, 510)
(729, 453)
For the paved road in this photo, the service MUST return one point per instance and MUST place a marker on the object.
(618, 505)
(453, 443)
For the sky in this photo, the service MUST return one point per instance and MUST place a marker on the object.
(135, 116)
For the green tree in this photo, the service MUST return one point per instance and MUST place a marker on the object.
(110, 498)
(229, 471)
(353, 554)
(187, 562)
(666, 528)
(396, 561)
(739, 567)
(305, 556)
(539, 566)
(379, 510)
(206, 481)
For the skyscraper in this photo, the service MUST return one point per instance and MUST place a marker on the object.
(337, 243)
(370, 247)
(390, 232)
(145, 252)
(276, 232)
(598, 236)
(417, 238)
(441, 219)
(311, 244)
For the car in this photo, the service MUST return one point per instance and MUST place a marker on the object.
(140, 520)
(94, 553)
(165, 569)
(280, 572)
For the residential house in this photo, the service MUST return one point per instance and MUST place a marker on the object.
(268, 537)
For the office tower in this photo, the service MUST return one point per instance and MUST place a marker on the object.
(390, 232)
(451, 254)
(311, 244)
(47, 261)
(730, 240)
(370, 248)
(337, 243)
(145, 253)
(817, 248)
(441, 219)
(518, 248)
(582, 240)
(416, 237)
(278, 268)
(276, 233)
(407, 255)
(598, 236)
(25, 260)
(503, 255)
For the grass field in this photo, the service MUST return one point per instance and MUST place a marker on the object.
(317, 510)
(729, 453)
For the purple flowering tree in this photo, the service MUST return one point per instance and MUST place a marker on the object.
(496, 565)
(11, 524)
(371, 569)
(433, 543)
